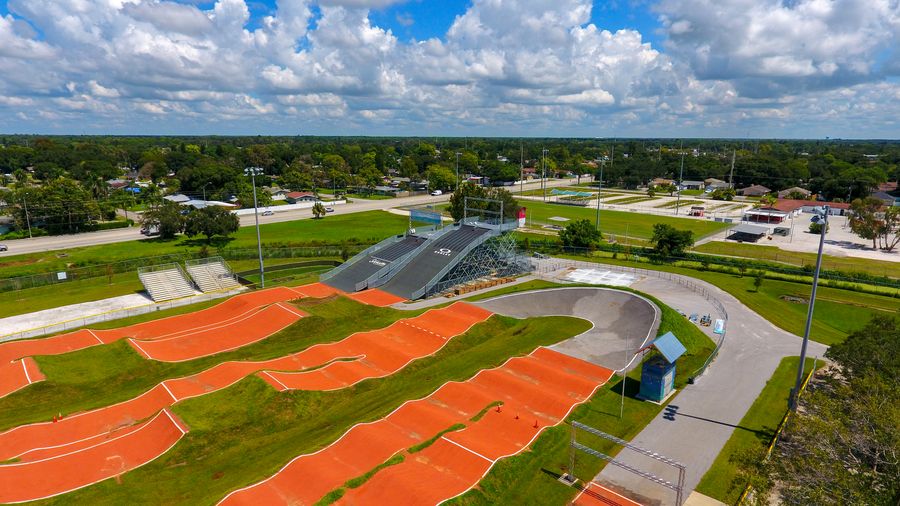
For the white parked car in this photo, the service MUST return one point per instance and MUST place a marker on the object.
(435, 193)
(3, 247)
(268, 213)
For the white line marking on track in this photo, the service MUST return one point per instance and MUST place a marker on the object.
(136, 345)
(276, 380)
(177, 425)
(169, 391)
(24, 368)
(95, 337)
(473, 452)
(288, 308)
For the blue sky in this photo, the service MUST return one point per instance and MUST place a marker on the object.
(702, 68)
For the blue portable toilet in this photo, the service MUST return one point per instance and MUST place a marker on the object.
(658, 373)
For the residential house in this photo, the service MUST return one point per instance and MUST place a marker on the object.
(756, 190)
(693, 185)
(278, 193)
(661, 181)
(784, 194)
(294, 197)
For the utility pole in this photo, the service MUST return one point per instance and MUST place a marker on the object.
(544, 152)
(731, 175)
(795, 392)
(680, 179)
(599, 193)
(252, 172)
(624, 378)
(457, 170)
(27, 218)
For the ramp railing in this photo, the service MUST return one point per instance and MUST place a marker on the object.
(359, 256)
(421, 292)
(386, 273)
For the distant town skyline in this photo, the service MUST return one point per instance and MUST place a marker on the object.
(510, 68)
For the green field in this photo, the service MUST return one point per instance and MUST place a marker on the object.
(838, 312)
(616, 222)
(332, 229)
(629, 200)
(672, 204)
(753, 434)
(91, 289)
(773, 253)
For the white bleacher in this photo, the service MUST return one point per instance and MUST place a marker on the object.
(212, 276)
(166, 283)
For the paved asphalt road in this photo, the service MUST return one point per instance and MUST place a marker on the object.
(38, 244)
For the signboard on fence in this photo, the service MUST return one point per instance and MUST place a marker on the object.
(521, 216)
(431, 217)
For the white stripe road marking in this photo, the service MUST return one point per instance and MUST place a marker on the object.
(177, 425)
(473, 452)
(95, 336)
(27, 377)
(285, 387)
(136, 345)
(170, 392)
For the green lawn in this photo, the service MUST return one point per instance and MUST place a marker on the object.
(616, 222)
(753, 434)
(104, 375)
(672, 204)
(629, 200)
(838, 312)
(91, 289)
(250, 422)
(332, 229)
(775, 254)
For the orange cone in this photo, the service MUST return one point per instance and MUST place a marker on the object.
(498, 408)
(535, 424)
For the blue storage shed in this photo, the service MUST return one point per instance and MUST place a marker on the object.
(658, 373)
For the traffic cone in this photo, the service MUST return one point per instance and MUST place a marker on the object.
(535, 424)
(498, 408)
(517, 417)
(54, 418)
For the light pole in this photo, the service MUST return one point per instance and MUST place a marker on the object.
(209, 183)
(253, 172)
(795, 392)
(680, 180)
(457, 169)
(544, 172)
(599, 194)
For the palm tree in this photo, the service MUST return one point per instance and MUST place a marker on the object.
(318, 210)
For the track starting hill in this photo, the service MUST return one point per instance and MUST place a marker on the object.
(424, 262)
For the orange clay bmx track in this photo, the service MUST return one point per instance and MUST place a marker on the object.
(236, 322)
(44, 473)
(537, 391)
(382, 353)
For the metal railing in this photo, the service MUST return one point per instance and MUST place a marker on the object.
(362, 254)
(462, 254)
(387, 272)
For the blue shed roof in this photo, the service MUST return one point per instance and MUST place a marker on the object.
(669, 346)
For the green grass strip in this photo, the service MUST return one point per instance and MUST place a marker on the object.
(484, 411)
(361, 480)
(425, 444)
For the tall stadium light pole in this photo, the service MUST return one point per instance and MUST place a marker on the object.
(599, 193)
(253, 172)
(795, 392)
(544, 172)
(457, 169)
(680, 180)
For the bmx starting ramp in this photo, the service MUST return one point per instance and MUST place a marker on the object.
(361, 268)
(434, 260)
